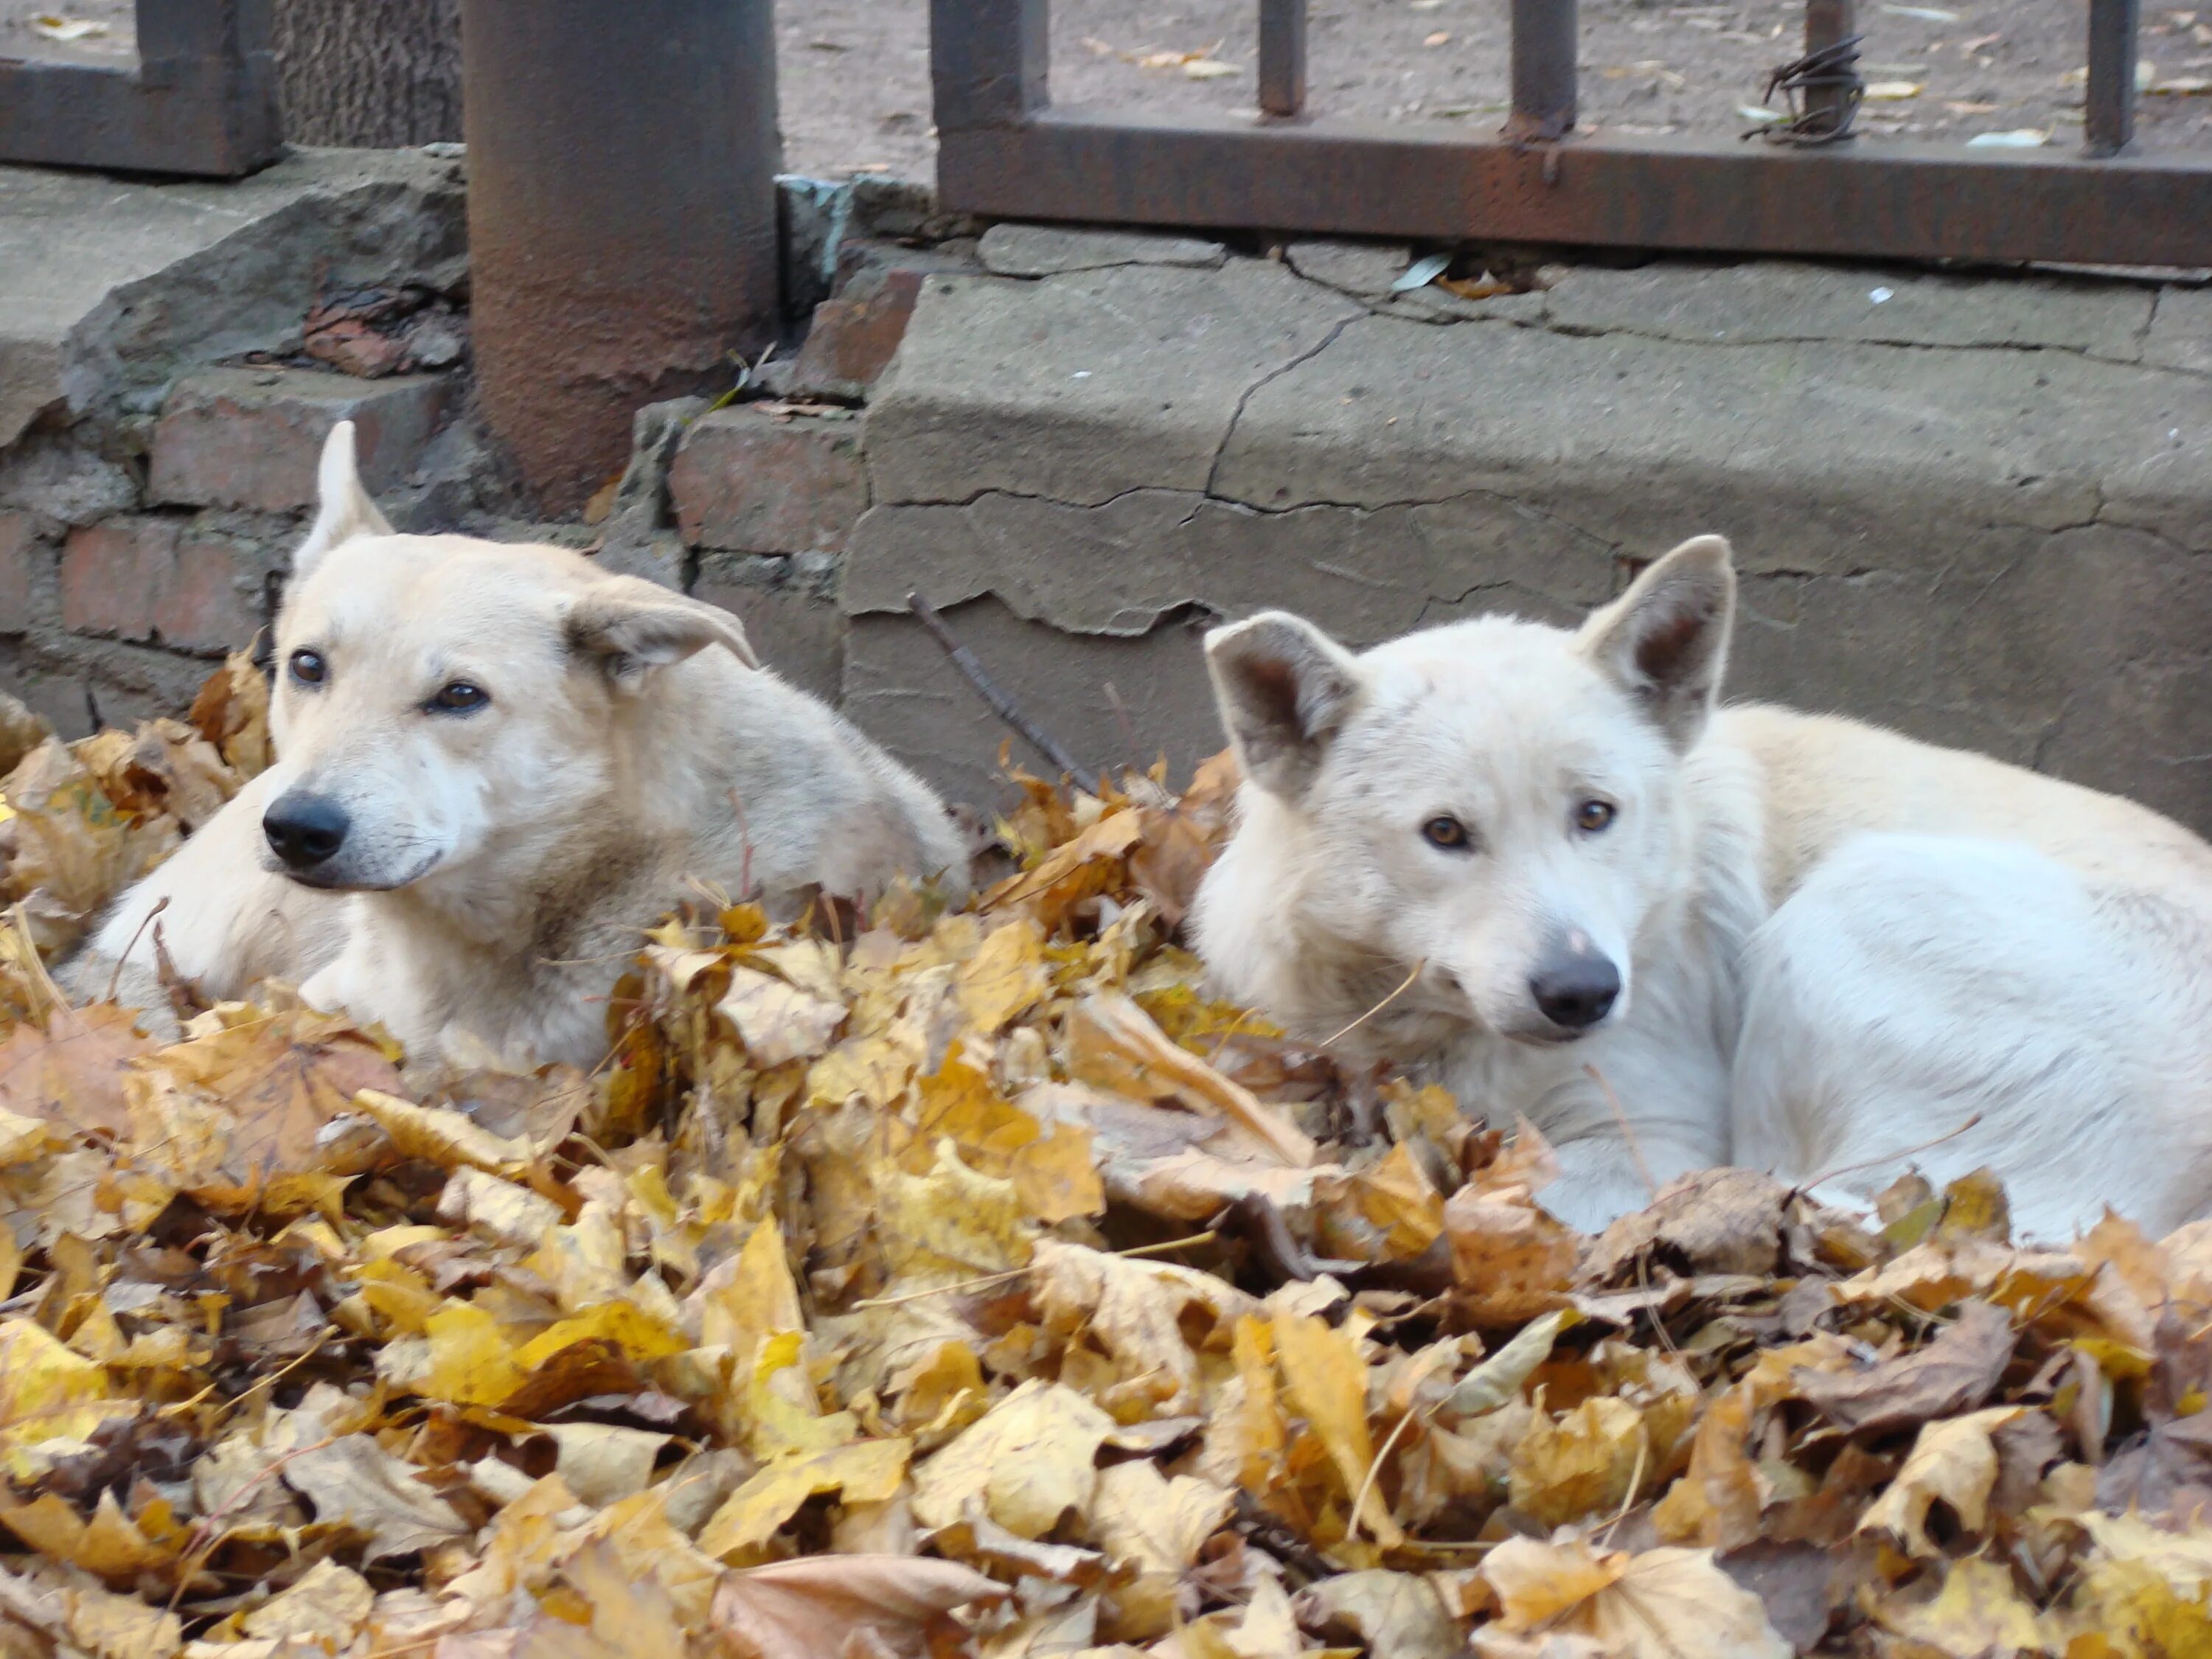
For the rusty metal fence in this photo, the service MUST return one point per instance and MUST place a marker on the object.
(1005, 150)
(201, 99)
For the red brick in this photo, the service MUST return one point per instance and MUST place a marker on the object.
(145, 579)
(763, 479)
(251, 437)
(19, 547)
(855, 336)
(114, 573)
(213, 598)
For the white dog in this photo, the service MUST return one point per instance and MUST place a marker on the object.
(1675, 936)
(497, 766)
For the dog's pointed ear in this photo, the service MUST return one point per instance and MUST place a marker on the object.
(344, 510)
(631, 626)
(1665, 640)
(1284, 689)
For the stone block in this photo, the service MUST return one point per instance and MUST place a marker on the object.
(114, 285)
(1965, 511)
(19, 549)
(1084, 387)
(1111, 701)
(156, 580)
(252, 437)
(50, 474)
(789, 611)
(855, 335)
(765, 478)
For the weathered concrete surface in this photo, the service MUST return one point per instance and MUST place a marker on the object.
(1081, 387)
(1980, 511)
(110, 284)
(789, 609)
(1050, 250)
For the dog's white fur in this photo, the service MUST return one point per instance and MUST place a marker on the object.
(500, 863)
(1836, 944)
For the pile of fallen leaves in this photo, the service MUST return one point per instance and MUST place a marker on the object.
(911, 1281)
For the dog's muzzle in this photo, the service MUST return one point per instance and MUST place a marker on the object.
(305, 832)
(1577, 991)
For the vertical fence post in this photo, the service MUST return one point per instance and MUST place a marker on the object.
(1830, 100)
(1543, 69)
(1282, 57)
(987, 61)
(2110, 125)
(622, 216)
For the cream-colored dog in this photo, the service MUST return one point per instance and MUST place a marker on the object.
(496, 765)
(1675, 936)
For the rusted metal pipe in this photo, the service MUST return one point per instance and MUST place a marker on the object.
(2110, 126)
(622, 166)
(1282, 57)
(1543, 69)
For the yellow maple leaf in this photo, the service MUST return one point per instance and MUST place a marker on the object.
(472, 1358)
(1326, 1380)
(867, 1472)
(1953, 1460)
(46, 1392)
(1028, 1460)
(1006, 977)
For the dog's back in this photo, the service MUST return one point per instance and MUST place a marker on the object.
(1825, 779)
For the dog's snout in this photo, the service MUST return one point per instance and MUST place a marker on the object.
(1575, 992)
(305, 830)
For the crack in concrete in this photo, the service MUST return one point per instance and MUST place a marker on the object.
(1237, 414)
(1576, 331)
(1545, 323)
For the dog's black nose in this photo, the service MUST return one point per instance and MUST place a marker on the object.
(305, 830)
(1577, 993)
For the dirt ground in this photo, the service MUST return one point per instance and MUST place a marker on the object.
(855, 73)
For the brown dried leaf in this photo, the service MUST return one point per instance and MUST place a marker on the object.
(1953, 1374)
(355, 1482)
(843, 1604)
(1511, 1262)
(72, 1073)
(1663, 1604)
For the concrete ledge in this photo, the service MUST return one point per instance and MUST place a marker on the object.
(1979, 511)
(112, 284)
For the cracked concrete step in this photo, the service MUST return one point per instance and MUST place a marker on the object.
(1976, 509)
(110, 284)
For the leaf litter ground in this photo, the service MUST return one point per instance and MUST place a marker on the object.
(932, 1281)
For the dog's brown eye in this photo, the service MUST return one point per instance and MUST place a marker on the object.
(459, 697)
(308, 668)
(1593, 816)
(1445, 831)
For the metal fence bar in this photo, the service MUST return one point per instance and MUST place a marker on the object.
(1831, 101)
(1282, 57)
(201, 100)
(1543, 69)
(987, 60)
(2112, 112)
(1901, 200)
